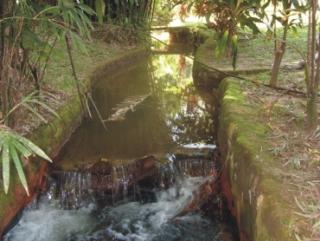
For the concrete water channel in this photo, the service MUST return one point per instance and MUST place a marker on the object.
(149, 172)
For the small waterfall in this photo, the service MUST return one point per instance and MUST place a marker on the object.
(163, 206)
(168, 173)
(72, 189)
(194, 162)
(120, 182)
(195, 166)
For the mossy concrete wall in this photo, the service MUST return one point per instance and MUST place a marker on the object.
(52, 136)
(204, 75)
(250, 176)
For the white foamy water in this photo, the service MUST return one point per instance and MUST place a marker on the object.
(200, 146)
(132, 221)
(158, 220)
(49, 223)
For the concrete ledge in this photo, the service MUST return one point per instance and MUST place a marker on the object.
(251, 177)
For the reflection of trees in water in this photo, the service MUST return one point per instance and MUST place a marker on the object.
(187, 129)
(182, 64)
(184, 110)
(193, 123)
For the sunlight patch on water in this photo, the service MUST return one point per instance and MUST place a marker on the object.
(200, 146)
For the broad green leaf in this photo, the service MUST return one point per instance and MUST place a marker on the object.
(100, 9)
(18, 165)
(69, 4)
(34, 148)
(11, 145)
(86, 9)
(5, 167)
(22, 149)
(222, 43)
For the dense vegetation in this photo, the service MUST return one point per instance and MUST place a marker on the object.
(30, 31)
(230, 18)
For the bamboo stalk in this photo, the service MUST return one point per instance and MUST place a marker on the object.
(77, 81)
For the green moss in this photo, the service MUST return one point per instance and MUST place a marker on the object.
(264, 214)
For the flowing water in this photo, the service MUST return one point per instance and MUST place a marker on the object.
(146, 177)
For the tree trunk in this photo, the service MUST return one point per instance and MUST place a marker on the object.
(309, 56)
(7, 7)
(279, 52)
(314, 75)
(312, 108)
(276, 67)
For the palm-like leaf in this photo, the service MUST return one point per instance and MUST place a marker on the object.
(14, 147)
(34, 100)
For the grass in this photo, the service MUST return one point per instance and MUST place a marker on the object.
(255, 51)
(264, 45)
(292, 79)
(59, 73)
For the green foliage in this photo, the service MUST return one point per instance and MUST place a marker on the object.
(162, 13)
(130, 12)
(100, 9)
(226, 17)
(35, 100)
(15, 148)
(35, 29)
(287, 13)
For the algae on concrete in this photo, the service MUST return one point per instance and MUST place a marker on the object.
(263, 212)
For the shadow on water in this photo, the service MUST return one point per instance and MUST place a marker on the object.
(142, 132)
(173, 113)
(151, 176)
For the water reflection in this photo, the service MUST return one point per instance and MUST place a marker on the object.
(159, 109)
(184, 109)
